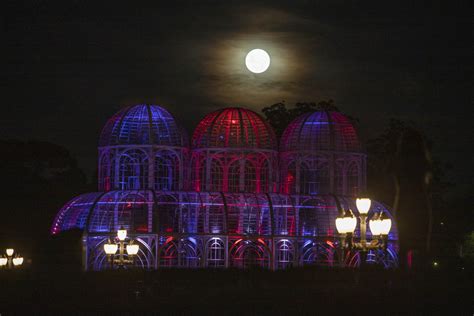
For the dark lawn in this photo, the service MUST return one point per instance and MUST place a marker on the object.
(253, 292)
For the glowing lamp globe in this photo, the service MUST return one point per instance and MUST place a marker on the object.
(110, 249)
(380, 225)
(386, 225)
(257, 60)
(363, 205)
(10, 252)
(132, 249)
(374, 225)
(122, 234)
(347, 223)
(18, 261)
(3, 262)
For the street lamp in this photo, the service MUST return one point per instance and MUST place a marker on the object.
(379, 226)
(11, 261)
(123, 245)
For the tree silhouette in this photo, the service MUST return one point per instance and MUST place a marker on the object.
(401, 171)
(37, 179)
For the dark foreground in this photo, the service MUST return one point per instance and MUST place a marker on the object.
(254, 292)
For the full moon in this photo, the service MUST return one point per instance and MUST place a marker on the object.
(257, 60)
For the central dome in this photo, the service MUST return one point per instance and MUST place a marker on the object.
(234, 128)
(322, 130)
(143, 124)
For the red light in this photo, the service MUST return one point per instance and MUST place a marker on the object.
(330, 232)
(142, 229)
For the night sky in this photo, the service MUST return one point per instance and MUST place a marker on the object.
(70, 66)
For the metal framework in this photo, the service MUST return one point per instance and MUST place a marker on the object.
(215, 229)
(220, 203)
(142, 147)
(319, 154)
(234, 150)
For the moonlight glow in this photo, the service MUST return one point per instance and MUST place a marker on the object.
(257, 60)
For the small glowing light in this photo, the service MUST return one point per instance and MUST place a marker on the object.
(18, 261)
(3, 262)
(380, 225)
(10, 252)
(363, 205)
(132, 249)
(435, 263)
(257, 60)
(347, 223)
(122, 234)
(110, 249)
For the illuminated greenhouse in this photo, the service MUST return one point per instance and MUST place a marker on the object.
(231, 198)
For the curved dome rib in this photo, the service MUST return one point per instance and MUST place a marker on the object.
(143, 125)
(326, 131)
(234, 128)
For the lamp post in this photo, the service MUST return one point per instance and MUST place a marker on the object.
(379, 226)
(11, 261)
(123, 245)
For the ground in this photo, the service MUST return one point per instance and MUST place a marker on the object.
(307, 290)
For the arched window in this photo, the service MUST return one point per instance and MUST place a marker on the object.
(284, 254)
(247, 254)
(308, 179)
(250, 177)
(169, 255)
(353, 179)
(106, 172)
(217, 176)
(216, 253)
(133, 170)
(166, 172)
(233, 177)
(190, 254)
(308, 253)
(314, 178)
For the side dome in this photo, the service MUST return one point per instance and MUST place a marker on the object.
(234, 128)
(143, 124)
(320, 131)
